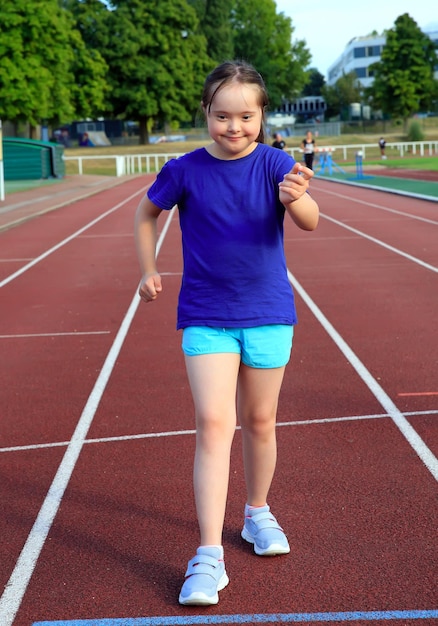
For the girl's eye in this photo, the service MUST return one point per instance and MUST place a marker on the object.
(247, 117)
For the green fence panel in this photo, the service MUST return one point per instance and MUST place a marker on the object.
(29, 159)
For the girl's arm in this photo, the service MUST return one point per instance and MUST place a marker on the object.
(298, 203)
(146, 239)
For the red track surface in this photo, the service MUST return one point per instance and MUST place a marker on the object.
(357, 501)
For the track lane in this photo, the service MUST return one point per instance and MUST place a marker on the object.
(386, 221)
(42, 236)
(109, 551)
(386, 295)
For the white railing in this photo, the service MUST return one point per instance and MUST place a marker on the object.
(127, 163)
(422, 148)
(149, 163)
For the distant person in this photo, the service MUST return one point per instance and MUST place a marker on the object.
(64, 138)
(308, 145)
(278, 142)
(85, 141)
(382, 145)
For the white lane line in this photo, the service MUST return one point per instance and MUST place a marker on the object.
(17, 584)
(381, 243)
(179, 433)
(107, 236)
(73, 333)
(62, 243)
(18, 205)
(379, 206)
(411, 435)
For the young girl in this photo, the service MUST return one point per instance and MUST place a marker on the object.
(236, 306)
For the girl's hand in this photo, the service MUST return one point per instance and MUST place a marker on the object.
(295, 184)
(150, 287)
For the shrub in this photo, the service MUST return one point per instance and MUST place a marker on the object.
(415, 132)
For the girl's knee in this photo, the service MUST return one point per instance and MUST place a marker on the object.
(215, 424)
(259, 423)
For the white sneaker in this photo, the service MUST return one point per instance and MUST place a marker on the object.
(262, 529)
(205, 576)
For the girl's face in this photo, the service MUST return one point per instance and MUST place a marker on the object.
(234, 120)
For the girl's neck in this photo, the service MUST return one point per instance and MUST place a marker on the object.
(215, 151)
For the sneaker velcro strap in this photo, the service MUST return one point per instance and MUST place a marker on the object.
(265, 520)
(203, 564)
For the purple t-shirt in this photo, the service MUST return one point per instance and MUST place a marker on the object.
(231, 221)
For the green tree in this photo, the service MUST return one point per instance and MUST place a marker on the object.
(89, 86)
(339, 96)
(215, 23)
(404, 81)
(264, 38)
(40, 56)
(157, 59)
(92, 21)
(315, 83)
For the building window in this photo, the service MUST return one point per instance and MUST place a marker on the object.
(361, 72)
(359, 53)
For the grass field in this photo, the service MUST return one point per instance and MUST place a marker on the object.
(411, 163)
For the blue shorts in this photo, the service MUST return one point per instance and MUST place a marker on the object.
(260, 347)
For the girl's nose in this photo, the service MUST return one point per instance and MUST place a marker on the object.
(233, 125)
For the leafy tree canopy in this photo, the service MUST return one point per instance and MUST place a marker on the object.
(316, 82)
(41, 56)
(144, 60)
(264, 38)
(156, 56)
(215, 24)
(404, 77)
(339, 96)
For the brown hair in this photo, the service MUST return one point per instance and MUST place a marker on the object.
(235, 71)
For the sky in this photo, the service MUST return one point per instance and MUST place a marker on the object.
(327, 26)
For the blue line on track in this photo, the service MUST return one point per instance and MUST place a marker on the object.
(260, 618)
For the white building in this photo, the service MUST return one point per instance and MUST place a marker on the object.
(359, 54)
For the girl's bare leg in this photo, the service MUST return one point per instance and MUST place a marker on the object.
(257, 402)
(213, 381)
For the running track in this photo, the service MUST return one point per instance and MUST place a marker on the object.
(96, 438)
